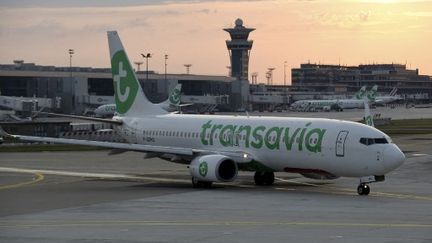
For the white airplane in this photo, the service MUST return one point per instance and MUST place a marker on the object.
(171, 104)
(313, 105)
(355, 102)
(384, 99)
(216, 147)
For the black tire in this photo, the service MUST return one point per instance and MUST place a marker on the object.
(207, 184)
(195, 182)
(258, 178)
(269, 178)
(201, 184)
(363, 189)
(264, 178)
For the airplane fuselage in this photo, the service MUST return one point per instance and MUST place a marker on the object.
(300, 145)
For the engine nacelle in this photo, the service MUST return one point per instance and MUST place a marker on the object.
(213, 167)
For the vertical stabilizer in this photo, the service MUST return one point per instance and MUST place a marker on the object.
(129, 97)
(368, 115)
(361, 93)
(371, 95)
(174, 98)
(393, 91)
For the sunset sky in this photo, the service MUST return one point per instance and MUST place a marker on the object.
(348, 32)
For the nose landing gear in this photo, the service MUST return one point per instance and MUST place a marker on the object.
(363, 189)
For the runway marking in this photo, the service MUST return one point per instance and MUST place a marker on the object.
(39, 177)
(39, 173)
(90, 223)
(346, 191)
(88, 174)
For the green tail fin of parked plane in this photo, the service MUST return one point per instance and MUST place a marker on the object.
(361, 93)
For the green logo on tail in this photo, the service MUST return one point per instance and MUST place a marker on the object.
(175, 97)
(125, 84)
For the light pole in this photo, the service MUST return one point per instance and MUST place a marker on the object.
(285, 88)
(270, 71)
(188, 68)
(285, 74)
(166, 58)
(71, 52)
(138, 65)
(146, 56)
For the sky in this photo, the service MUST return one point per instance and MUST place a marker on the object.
(288, 33)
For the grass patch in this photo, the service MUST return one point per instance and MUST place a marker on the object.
(410, 126)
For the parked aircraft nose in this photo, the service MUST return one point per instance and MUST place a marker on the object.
(393, 157)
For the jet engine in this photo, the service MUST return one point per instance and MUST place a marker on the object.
(213, 168)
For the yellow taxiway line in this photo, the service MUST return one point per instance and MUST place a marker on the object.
(39, 177)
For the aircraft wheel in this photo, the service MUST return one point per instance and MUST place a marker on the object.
(269, 178)
(201, 184)
(363, 189)
(264, 178)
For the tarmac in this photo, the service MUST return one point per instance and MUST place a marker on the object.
(94, 197)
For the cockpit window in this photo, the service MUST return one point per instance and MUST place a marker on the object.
(370, 141)
(380, 140)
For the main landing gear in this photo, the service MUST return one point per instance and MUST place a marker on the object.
(201, 184)
(363, 189)
(264, 178)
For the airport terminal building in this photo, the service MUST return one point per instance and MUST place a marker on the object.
(78, 89)
(349, 79)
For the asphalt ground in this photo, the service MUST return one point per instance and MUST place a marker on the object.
(94, 197)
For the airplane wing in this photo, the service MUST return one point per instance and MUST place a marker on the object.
(125, 146)
(116, 122)
(239, 157)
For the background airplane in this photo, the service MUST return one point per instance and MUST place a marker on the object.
(337, 104)
(171, 104)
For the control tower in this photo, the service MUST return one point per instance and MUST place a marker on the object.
(239, 47)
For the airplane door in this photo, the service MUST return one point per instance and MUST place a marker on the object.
(340, 143)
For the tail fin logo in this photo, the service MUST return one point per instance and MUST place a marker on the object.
(361, 93)
(125, 84)
(371, 95)
(175, 97)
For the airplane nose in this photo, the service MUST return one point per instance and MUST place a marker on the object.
(393, 158)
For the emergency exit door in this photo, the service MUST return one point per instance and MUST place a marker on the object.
(340, 143)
